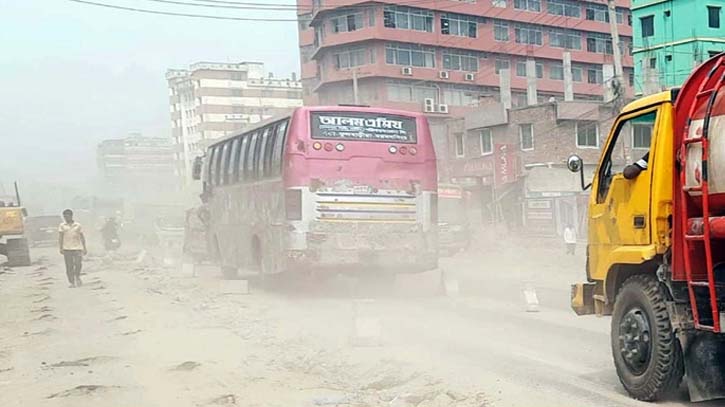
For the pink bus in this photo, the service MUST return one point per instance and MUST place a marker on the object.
(324, 189)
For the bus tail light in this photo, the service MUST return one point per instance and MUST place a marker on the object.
(340, 147)
(293, 204)
(392, 149)
(328, 147)
(403, 150)
(317, 145)
(413, 151)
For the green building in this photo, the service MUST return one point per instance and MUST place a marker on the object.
(671, 37)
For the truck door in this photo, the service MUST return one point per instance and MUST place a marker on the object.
(620, 208)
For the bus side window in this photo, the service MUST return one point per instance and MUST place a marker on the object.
(249, 168)
(259, 152)
(234, 161)
(243, 146)
(279, 147)
(269, 150)
(224, 165)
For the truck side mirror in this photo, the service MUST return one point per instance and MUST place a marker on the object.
(576, 164)
(196, 169)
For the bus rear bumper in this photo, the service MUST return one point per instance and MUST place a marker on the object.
(336, 261)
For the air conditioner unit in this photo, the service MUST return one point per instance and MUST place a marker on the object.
(443, 75)
(470, 77)
(429, 105)
(407, 70)
(443, 108)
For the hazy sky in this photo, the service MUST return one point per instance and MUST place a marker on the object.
(74, 74)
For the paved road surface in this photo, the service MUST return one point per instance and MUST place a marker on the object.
(141, 335)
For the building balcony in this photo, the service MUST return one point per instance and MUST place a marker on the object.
(487, 10)
(485, 43)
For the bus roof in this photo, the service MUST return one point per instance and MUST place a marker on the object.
(333, 108)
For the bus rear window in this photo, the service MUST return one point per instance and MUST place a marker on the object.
(363, 127)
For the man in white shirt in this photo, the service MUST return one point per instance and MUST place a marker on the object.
(570, 239)
(72, 245)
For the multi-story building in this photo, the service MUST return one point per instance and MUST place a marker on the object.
(213, 99)
(672, 37)
(443, 57)
(532, 144)
(137, 165)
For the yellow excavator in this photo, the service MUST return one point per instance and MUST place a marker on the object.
(13, 243)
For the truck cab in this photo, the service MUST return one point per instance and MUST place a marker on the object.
(629, 219)
(656, 243)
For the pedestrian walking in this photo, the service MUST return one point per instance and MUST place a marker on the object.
(570, 239)
(72, 245)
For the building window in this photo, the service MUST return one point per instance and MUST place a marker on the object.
(460, 61)
(530, 5)
(459, 144)
(576, 73)
(486, 139)
(565, 39)
(459, 25)
(527, 34)
(410, 55)
(349, 22)
(502, 64)
(460, 95)
(350, 58)
(595, 75)
(407, 18)
(563, 8)
(595, 12)
(630, 77)
(641, 135)
(648, 26)
(500, 31)
(521, 69)
(599, 43)
(408, 92)
(713, 16)
(526, 135)
(587, 134)
(556, 71)
(653, 63)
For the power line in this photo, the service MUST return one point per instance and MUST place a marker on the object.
(174, 14)
(224, 6)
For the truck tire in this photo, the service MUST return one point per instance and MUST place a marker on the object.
(18, 252)
(647, 355)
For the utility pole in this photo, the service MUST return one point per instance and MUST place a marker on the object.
(618, 71)
(354, 87)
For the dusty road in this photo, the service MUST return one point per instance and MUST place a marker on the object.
(140, 335)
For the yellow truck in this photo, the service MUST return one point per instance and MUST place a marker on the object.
(656, 239)
(13, 243)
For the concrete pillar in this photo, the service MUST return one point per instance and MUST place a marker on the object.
(504, 77)
(568, 79)
(607, 76)
(532, 97)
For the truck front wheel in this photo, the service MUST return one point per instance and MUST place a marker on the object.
(646, 352)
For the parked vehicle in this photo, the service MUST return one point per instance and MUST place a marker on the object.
(454, 229)
(42, 230)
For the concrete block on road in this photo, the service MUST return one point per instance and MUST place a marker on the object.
(532, 300)
(234, 287)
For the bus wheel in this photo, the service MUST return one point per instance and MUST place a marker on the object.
(646, 352)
